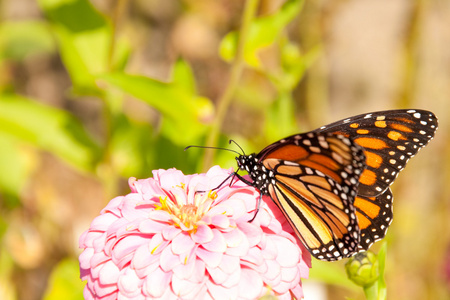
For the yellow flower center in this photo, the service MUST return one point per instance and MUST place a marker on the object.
(187, 215)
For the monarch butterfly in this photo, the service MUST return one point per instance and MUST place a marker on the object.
(332, 184)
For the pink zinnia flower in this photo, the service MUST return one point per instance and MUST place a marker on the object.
(174, 238)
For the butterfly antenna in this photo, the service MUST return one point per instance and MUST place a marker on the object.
(216, 148)
(233, 141)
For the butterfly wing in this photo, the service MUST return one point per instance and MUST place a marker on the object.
(314, 183)
(374, 216)
(390, 138)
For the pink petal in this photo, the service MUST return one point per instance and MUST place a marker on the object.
(152, 226)
(121, 296)
(113, 205)
(184, 271)
(217, 244)
(199, 271)
(289, 274)
(88, 238)
(241, 249)
(265, 218)
(170, 232)
(148, 269)
(304, 269)
(273, 270)
(129, 283)
(221, 210)
(281, 287)
(101, 290)
(220, 221)
(254, 256)
(157, 283)
(102, 222)
(250, 285)
(130, 209)
(288, 253)
(183, 287)
(168, 260)
(188, 257)
(211, 259)
(235, 207)
(127, 246)
(297, 292)
(85, 258)
(198, 294)
(87, 294)
(182, 243)
(202, 235)
(171, 178)
(270, 251)
(233, 237)
(219, 292)
(233, 279)
(229, 264)
(142, 257)
(109, 273)
(252, 232)
(217, 275)
(99, 243)
(157, 244)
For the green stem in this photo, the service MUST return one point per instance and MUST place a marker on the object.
(371, 291)
(115, 18)
(236, 71)
(412, 39)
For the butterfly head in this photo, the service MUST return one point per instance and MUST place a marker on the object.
(247, 162)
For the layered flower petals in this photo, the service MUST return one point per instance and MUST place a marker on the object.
(178, 236)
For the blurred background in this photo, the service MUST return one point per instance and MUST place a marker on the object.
(95, 92)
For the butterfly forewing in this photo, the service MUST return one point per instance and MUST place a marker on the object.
(390, 139)
(315, 182)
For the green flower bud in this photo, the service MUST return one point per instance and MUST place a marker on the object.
(362, 268)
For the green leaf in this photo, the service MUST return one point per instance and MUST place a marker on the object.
(48, 128)
(280, 118)
(65, 282)
(185, 114)
(132, 147)
(85, 40)
(264, 31)
(16, 167)
(295, 64)
(19, 40)
(183, 77)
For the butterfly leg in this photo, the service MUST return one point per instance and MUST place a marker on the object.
(257, 208)
(260, 194)
(221, 184)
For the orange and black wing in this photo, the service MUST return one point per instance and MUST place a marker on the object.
(374, 216)
(390, 139)
(315, 184)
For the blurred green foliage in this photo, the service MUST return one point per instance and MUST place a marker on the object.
(144, 123)
(96, 59)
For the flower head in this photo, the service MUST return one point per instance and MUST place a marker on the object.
(174, 237)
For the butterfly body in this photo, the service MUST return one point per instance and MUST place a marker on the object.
(332, 184)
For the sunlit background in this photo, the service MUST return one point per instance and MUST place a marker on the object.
(95, 92)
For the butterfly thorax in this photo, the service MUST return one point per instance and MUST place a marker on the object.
(260, 175)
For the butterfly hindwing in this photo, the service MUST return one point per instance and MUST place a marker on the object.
(374, 216)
